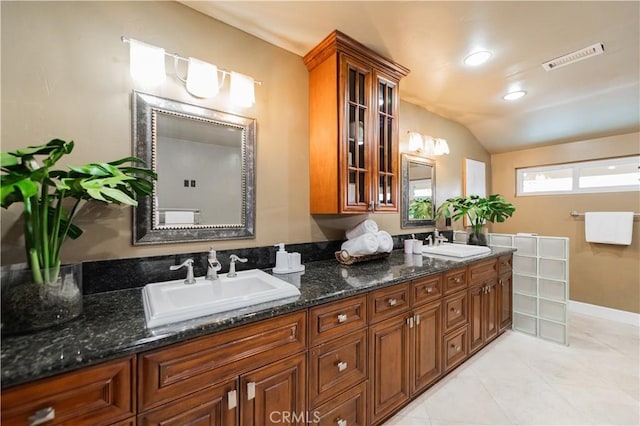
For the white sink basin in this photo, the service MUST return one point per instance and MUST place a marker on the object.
(456, 250)
(173, 301)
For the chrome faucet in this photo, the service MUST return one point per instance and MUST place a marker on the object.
(438, 239)
(213, 266)
(189, 265)
(429, 241)
(232, 265)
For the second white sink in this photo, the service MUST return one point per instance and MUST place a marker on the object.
(173, 301)
(456, 250)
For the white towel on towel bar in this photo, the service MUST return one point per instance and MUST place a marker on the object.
(608, 227)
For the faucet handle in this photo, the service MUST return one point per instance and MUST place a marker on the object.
(234, 258)
(189, 265)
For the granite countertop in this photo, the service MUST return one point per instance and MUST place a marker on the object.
(112, 324)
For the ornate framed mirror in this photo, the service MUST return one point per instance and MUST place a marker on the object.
(205, 160)
(418, 191)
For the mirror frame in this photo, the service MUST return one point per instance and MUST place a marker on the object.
(404, 205)
(145, 110)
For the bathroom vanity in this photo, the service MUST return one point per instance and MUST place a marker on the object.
(358, 345)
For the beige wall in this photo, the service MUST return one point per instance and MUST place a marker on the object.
(601, 274)
(65, 74)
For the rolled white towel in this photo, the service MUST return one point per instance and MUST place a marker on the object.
(385, 242)
(364, 244)
(362, 228)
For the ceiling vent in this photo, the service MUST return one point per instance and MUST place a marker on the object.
(570, 58)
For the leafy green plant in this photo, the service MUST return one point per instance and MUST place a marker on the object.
(47, 221)
(495, 208)
(421, 208)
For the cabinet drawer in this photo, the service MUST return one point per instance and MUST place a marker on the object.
(209, 406)
(336, 366)
(505, 264)
(426, 289)
(97, 395)
(455, 310)
(483, 271)
(337, 318)
(455, 280)
(455, 347)
(387, 302)
(349, 408)
(169, 373)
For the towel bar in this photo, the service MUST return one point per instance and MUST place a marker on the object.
(575, 213)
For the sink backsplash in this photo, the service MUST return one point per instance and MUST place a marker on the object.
(119, 274)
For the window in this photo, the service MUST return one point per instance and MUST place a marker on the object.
(613, 175)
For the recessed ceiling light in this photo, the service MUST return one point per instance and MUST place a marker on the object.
(477, 58)
(512, 96)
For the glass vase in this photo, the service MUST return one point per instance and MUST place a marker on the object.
(28, 306)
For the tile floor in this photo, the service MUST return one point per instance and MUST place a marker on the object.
(523, 380)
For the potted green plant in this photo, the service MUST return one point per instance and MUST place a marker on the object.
(478, 211)
(47, 292)
(420, 208)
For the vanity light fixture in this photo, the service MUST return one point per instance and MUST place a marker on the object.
(427, 145)
(512, 96)
(477, 58)
(147, 64)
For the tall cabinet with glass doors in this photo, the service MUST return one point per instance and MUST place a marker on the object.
(353, 124)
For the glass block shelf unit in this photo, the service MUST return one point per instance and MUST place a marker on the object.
(540, 284)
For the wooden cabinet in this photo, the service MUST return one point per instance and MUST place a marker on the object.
(274, 394)
(483, 304)
(99, 395)
(239, 376)
(426, 335)
(353, 127)
(455, 348)
(388, 302)
(338, 363)
(505, 292)
(389, 351)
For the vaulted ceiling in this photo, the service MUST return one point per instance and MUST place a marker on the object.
(595, 97)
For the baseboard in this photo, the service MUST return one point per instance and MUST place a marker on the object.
(605, 313)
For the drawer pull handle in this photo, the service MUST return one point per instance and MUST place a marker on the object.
(342, 318)
(417, 316)
(457, 348)
(232, 399)
(501, 283)
(42, 416)
(392, 302)
(429, 289)
(251, 390)
(457, 311)
(342, 366)
(341, 422)
(457, 279)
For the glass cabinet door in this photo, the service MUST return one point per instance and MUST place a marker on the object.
(357, 103)
(386, 182)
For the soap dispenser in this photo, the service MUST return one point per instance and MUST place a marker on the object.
(287, 263)
(282, 259)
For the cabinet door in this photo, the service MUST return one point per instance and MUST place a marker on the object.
(274, 394)
(389, 363)
(476, 320)
(490, 311)
(211, 407)
(505, 300)
(427, 337)
(386, 144)
(356, 161)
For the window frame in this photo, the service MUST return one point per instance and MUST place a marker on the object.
(575, 176)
